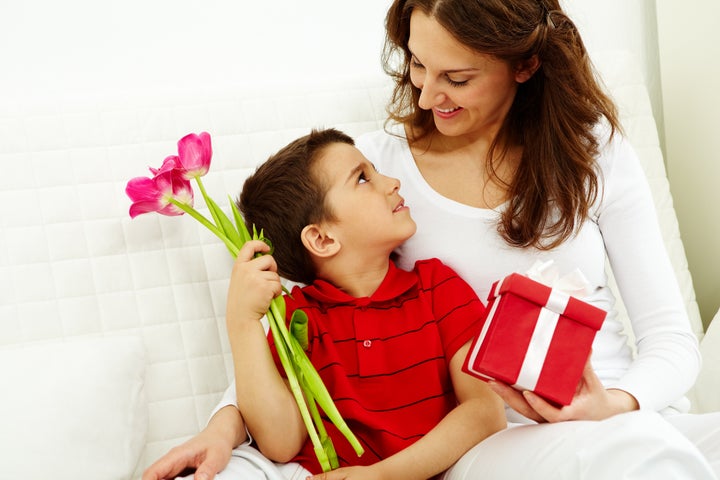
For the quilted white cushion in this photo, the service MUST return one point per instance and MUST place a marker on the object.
(73, 409)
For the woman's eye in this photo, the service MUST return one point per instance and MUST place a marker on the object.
(456, 83)
(362, 178)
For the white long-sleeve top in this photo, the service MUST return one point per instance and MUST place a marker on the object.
(623, 224)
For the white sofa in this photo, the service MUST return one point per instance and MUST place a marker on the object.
(112, 341)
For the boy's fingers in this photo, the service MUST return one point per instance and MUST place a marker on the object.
(250, 248)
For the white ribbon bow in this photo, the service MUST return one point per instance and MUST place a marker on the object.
(573, 283)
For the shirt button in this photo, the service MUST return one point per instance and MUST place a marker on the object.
(367, 343)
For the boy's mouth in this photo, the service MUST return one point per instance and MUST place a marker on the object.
(399, 206)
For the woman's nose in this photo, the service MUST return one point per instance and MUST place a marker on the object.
(429, 95)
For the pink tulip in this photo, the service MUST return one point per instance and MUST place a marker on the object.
(194, 154)
(154, 194)
(170, 163)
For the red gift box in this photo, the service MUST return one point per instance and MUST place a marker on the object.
(534, 338)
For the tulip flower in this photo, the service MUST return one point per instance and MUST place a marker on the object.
(194, 154)
(170, 163)
(169, 192)
(159, 194)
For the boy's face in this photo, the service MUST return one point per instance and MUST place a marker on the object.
(367, 208)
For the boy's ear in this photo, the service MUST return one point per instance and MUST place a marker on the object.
(525, 69)
(319, 241)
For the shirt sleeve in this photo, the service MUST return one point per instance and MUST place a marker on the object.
(228, 398)
(456, 307)
(668, 358)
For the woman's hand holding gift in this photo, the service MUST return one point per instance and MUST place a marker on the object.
(592, 401)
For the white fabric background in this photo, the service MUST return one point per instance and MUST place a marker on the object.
(86, 47)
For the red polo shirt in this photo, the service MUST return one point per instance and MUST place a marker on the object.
(384, 358)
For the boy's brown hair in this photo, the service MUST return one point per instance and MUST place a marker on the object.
(284, 195)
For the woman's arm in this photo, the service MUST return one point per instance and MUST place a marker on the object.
(479, 414)
(266, 403)
(208, 452)
(668, 358)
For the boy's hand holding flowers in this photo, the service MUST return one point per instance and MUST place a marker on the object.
(254, 282)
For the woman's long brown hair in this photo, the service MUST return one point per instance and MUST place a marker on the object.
(552, 117)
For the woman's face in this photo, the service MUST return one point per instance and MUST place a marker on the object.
(469, 93)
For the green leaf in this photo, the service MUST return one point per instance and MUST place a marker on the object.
(320, 393)
(326, 443)
(239, 221)
(329, 448)
(299, 328)
(224, 223)
(314, 382)
(322, 457)
(280, 302)
(291, 371)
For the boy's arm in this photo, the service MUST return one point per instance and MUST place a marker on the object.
(479, 414)
(263, 398)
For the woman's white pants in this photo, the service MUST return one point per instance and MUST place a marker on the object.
(633, 446)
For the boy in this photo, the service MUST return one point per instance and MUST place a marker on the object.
(389, 344)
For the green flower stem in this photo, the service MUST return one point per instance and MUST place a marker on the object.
(286, 360)
(323, 396)
(325, 441)
(234, 250)
(206, 198)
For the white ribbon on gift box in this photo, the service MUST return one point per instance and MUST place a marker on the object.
(540, 340)
(573, 283)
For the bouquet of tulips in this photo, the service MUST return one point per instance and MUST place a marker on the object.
(169, 192)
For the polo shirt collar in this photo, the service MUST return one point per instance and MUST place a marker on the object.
(395, 283)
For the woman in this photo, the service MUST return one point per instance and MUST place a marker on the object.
(509, 152)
